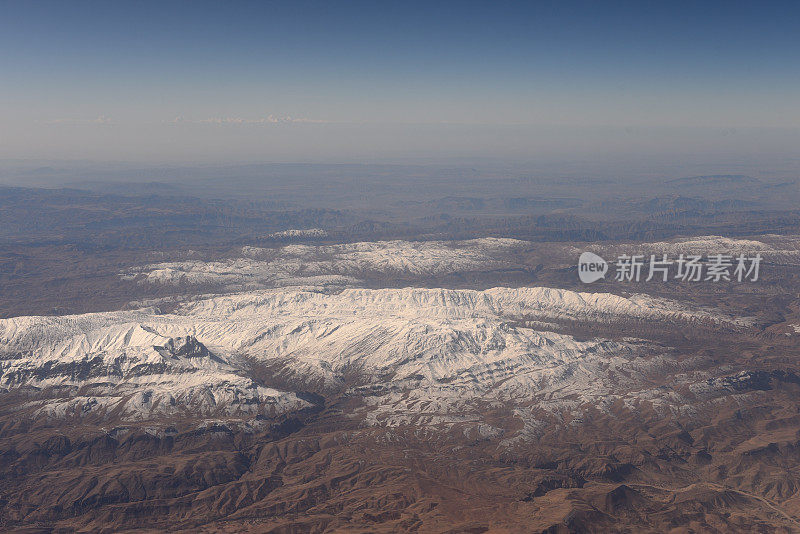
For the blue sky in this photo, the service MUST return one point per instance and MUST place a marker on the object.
(349, 80)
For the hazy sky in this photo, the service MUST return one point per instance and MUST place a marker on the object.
(334, 81)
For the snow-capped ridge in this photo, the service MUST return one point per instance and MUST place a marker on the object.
(340, 265)
(452, 339)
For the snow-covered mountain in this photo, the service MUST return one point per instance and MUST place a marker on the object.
(451, 345)
(339, 265)
(115, 366)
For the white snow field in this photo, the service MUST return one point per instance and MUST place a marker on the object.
(449, 346)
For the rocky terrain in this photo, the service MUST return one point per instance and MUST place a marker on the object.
(326, 406)
(182, 364)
